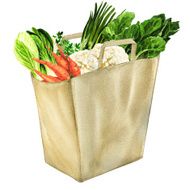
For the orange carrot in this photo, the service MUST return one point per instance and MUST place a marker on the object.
(74, 69)
(61, 61)
(61, 52)
(47, 78)
(58, 70)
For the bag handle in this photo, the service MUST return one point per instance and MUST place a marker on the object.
(73, 36)
(114, 43)
(107, 44)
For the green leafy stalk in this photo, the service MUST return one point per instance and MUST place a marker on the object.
(47, 37)
(44, 44)
(96, 23)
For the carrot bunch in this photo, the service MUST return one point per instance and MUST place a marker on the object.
(64, 69)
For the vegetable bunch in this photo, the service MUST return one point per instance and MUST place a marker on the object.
(32, 44)
(150, 35)
(64, 69)
(34, 49)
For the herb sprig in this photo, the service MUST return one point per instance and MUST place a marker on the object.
(68, 47)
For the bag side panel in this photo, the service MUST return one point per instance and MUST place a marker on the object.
(58, 129)
(112, 110)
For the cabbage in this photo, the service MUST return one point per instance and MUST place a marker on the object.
(25, 50)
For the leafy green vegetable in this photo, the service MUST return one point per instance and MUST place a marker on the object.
(141, 31)
(169, 28)
(68, 47)
(49, 41)
(28, 42)
(43, 54)
(44, 42)
(25, 50)
(34, 44)
(134, 31)
(43, 38)
(156, 30)
(117, 26)
(151, 47)
(162, 28)
(96, 23)
(151, 26)
(23, 54)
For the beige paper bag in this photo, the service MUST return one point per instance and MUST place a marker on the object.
(98, 121)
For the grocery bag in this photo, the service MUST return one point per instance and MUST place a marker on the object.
(97, 122)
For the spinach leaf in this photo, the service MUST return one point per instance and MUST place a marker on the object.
(170, 28)
(118, 25)
(151, 26)
(135, 31)
(150, 47)
(156, 30)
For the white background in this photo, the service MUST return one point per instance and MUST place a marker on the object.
(166, 162)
